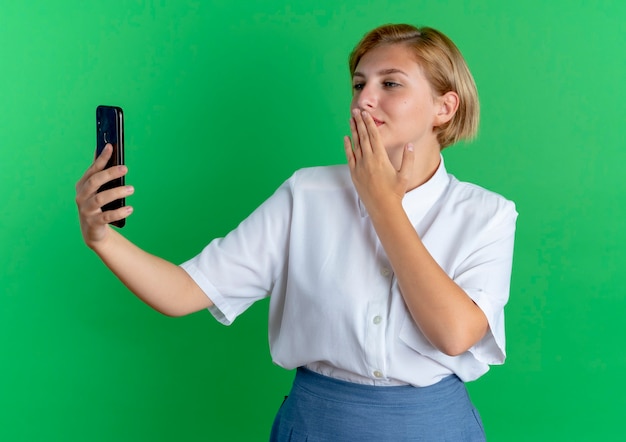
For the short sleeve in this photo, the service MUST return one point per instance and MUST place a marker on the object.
(485, 276)
(243, 267)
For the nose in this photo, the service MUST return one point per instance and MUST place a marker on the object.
(367, 98)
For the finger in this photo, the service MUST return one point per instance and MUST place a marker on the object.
(104, 156)
(103, 198)
(355, 140)
(364, 138)
(93, 205)
(90, 187)
(101, 160)
(406, 167)
(374, 134)
(110, 216)
(95, 181)
(98, 164)
(347, 147)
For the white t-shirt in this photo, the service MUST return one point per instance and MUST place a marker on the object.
(335, 305)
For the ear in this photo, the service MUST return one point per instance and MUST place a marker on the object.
(448, 104)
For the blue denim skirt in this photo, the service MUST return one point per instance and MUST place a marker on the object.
(320, 408)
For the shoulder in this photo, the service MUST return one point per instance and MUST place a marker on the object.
(321, 178)
(311, 184)
(478, 201)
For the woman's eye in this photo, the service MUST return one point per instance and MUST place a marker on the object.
(357, 86)
(390, 84)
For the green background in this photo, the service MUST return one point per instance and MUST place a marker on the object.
(223, 101)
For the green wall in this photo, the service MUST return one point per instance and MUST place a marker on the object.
(223, 100)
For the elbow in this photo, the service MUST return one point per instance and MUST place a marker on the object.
(454, 348)
(457, 338)
(456, 344)
(170, 311)
(170, 314)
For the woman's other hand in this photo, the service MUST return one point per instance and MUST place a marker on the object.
(375, 178)
(93, 220)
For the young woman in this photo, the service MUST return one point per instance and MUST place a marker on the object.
(387, 276)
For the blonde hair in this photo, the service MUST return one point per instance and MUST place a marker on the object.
(444, 68)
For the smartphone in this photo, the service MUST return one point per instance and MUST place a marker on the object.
(110, 129)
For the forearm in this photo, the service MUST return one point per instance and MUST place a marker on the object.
(162, 285)
(445, 314)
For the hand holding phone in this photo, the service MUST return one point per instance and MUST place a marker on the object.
(110, 130)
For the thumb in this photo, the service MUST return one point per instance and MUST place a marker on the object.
(406, 167)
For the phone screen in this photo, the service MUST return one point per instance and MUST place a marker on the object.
(110, 129)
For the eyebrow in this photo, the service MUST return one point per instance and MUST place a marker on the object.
(383, 72)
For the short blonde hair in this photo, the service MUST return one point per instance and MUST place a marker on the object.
(444, 68)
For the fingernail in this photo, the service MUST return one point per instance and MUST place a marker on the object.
(130, 189)
(364, 113)
(409, 147)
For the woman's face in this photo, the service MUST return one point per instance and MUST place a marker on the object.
(390, 85)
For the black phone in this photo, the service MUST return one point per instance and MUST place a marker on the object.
(110, 129)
